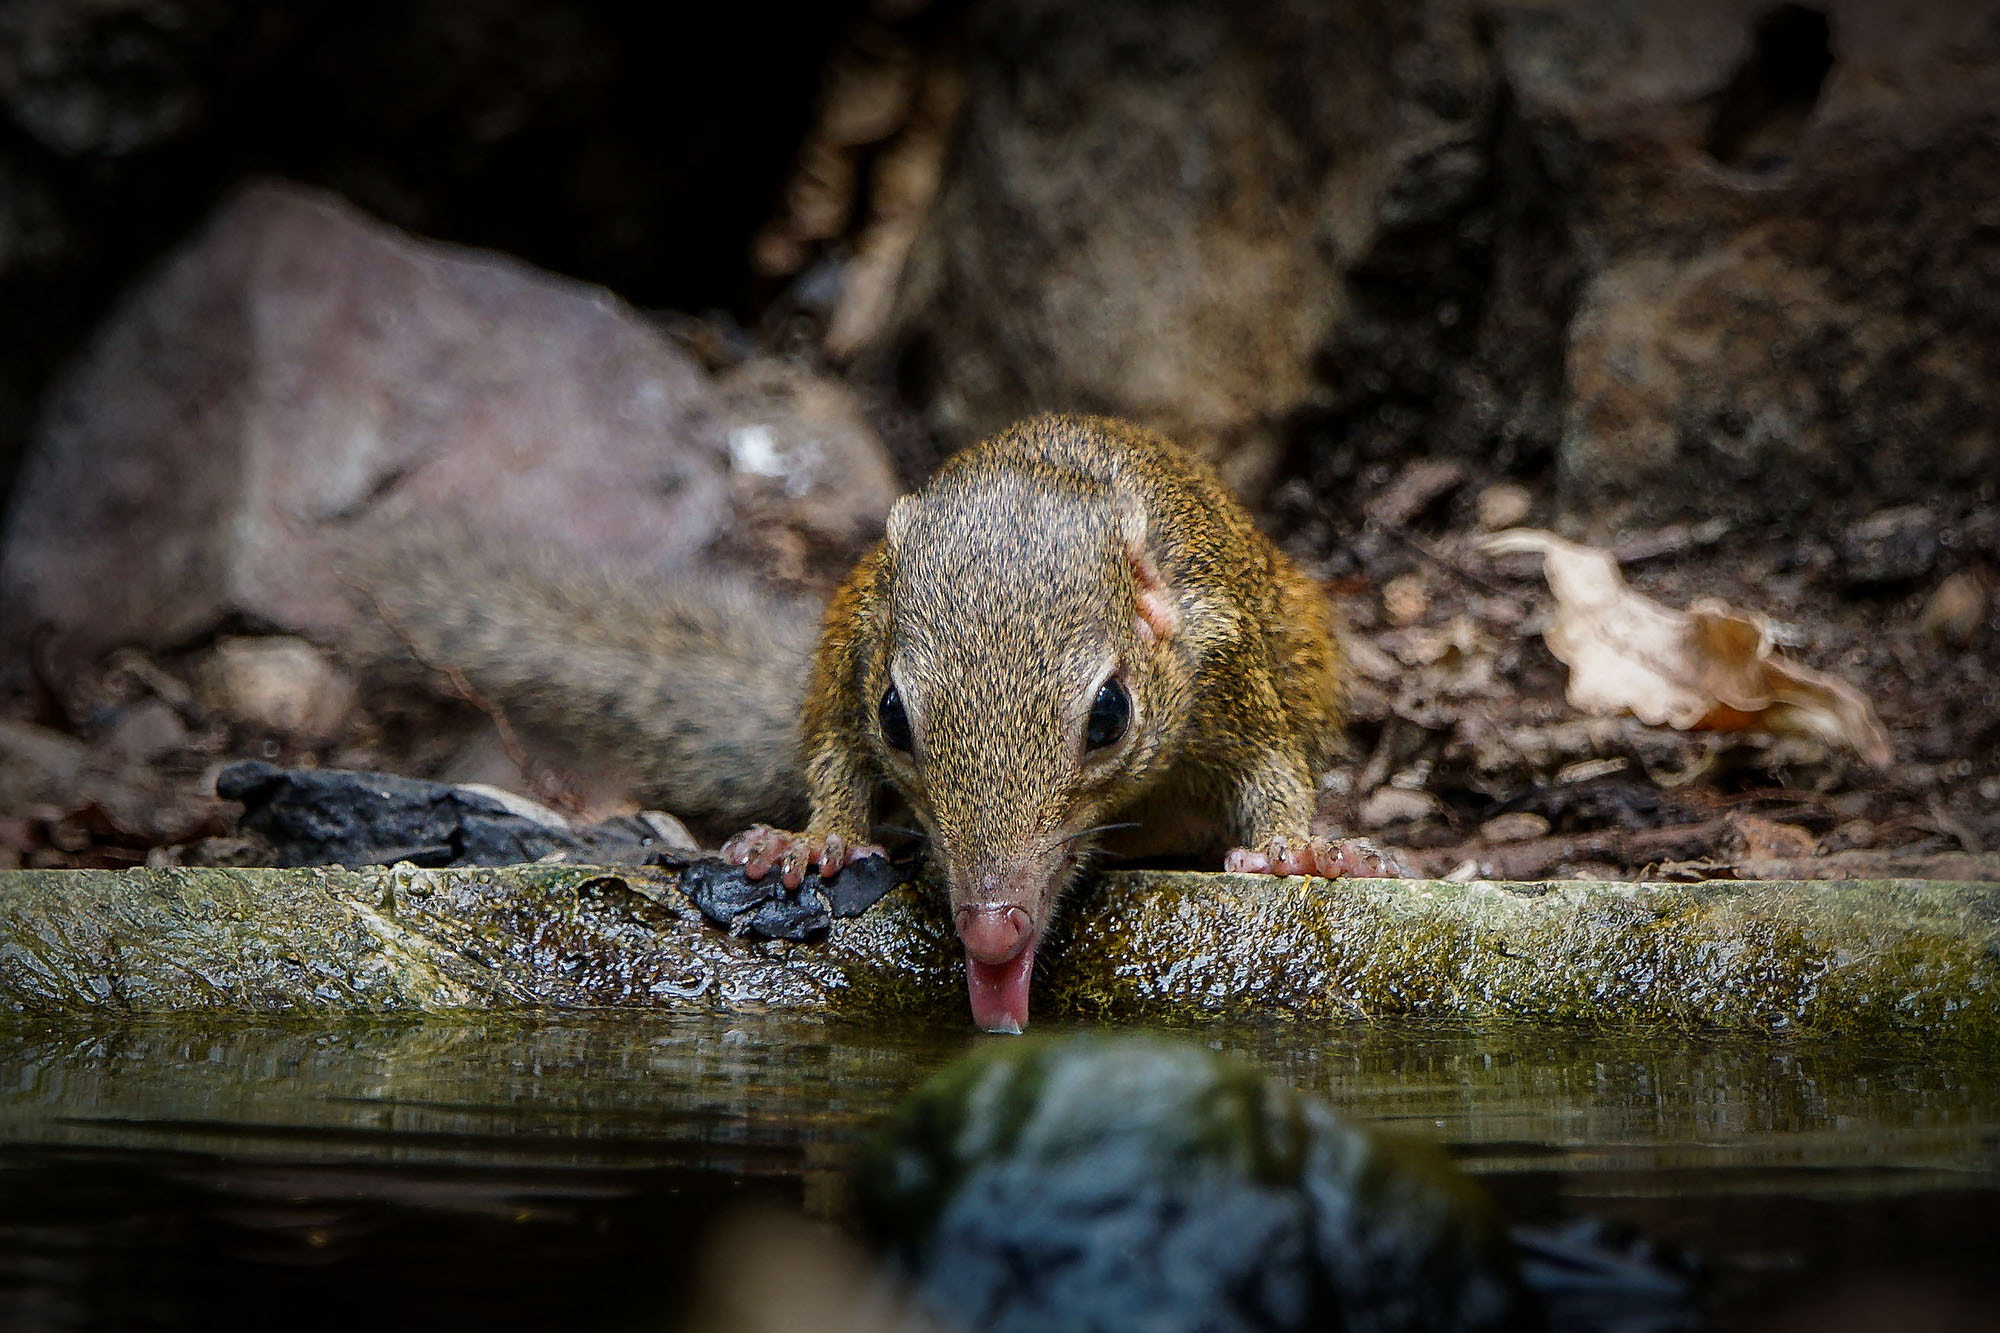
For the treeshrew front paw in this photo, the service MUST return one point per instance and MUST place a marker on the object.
(1329, 858)
(760, 847)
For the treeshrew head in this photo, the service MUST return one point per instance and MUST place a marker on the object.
(1025, 685)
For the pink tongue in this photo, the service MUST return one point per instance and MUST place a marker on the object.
(1000, 991)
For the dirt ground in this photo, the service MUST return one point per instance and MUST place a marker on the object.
(1475, 762)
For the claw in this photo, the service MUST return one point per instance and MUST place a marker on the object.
(798, 858)
(760, 847)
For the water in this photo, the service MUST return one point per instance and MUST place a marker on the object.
(501, 1173)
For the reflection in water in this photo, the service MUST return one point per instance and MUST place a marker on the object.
(519, 1173)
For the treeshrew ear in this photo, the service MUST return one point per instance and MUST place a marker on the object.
(1156, 616)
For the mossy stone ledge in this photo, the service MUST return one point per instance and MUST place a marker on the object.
(1896, 956)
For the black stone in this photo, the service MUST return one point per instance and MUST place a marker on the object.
(331, 816)
(767, 909)
(761, 907)
(860, 886)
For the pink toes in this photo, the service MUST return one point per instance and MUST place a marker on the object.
(757, 849)
(760, 847)
(1328, 858)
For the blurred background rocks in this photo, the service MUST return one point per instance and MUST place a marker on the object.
(1676, 258)
(1714, 284)
(629, 145)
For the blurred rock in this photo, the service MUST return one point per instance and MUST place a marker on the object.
(803, 458)
(107, 78)
(278, 685)
(1406, 598)
(1157, 210)
(297, 380)
(1790, 299)
(1504, 505)
(1770, 838)
(1129, 1181)
(1850, 834)
(330, 816)
(1895, 545)
(75, 796)
(1397, 805)
(1516, 826)
(1133, 1182)
(147, 731)
(38, 766)
(1956, 610)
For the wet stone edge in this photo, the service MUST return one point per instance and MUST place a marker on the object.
(1884, 956)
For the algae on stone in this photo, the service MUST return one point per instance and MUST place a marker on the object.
(1815, 956)
(1884, 956)
(383, 939)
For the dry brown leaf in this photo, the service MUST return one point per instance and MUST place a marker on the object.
(1709, 668)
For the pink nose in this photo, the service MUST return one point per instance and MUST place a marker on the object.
(993, 933)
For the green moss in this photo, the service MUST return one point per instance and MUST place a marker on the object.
(1894, 956)
(1844, 959)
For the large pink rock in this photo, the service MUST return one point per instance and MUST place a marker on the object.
(298, 379)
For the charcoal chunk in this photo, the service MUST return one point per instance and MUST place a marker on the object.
(761, 907)
(767, 909)
(330, 816)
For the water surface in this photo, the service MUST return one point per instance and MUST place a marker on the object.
(502, 1172)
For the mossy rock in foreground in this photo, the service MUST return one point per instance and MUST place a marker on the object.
(1880, 956)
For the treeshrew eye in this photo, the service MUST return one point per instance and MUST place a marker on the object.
(895, 720)
(1110, 712)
